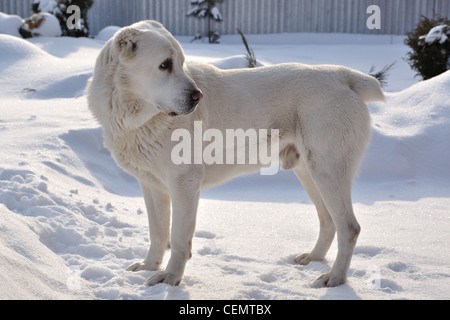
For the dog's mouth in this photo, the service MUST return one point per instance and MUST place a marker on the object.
(174, 114)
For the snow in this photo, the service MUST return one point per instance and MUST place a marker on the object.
(10, 24)
(72, 220)
(46, 5)
(437, 33)
(216, 14)
(233, 62)
(106, 33)
(202, 9)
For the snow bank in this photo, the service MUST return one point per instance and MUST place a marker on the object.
(19, 56)
(107, 33)
(16, 49)
(50, 72)
(233, 62)
(25, 262)
(411, 133)
(10, 24)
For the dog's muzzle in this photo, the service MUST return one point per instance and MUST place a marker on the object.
(194, 99)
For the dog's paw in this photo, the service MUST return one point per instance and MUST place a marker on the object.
(306, 258)
(164, 277)
(328, 280)
(141, 265)
(302, 259)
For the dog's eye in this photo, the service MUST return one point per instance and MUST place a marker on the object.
(166, 65)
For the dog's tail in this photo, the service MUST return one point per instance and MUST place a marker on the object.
(366, 86)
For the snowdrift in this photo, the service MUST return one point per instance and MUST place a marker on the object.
(10, 24)
(14, 49)
(411, 133)
(71, 220)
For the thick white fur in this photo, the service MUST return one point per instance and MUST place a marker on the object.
(320, 111)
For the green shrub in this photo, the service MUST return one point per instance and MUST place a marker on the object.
(430, 55)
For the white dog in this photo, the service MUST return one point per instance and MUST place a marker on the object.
(142, 91)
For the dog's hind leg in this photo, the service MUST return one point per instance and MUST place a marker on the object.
(333, 180)
(338, 201)
(331, 144)
(157, 203)
(327, 228)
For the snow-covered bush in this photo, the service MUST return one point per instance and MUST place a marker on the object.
(59, 9)
(207, 9)
(430, 44)
(40, 25)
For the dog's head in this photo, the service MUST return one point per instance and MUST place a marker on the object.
(150, 68)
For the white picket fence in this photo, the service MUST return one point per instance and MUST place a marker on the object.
(260, 16)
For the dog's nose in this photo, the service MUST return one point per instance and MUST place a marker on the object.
(196, 95)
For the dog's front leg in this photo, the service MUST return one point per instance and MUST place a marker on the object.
(185, 196)
(157, 202)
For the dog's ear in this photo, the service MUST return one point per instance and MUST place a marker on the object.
(126, 42)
